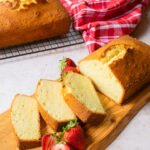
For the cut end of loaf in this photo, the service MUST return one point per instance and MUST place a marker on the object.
(84, 92)
(99, 72)
(25, 118)
(50, 98)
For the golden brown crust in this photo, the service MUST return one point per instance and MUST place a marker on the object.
(29, 145)
(40, 21)
(133, 70)
(55, 124)
(124, 40)
(84, 114)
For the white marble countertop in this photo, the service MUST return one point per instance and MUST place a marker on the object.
(21, 76)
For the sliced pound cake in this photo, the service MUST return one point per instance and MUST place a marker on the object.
(52, 105)
(82, 97)
(119, 69)
(25, 120)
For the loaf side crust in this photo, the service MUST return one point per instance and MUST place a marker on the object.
(39, 21)
(29, 145)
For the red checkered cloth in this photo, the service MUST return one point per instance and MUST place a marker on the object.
(101, 21)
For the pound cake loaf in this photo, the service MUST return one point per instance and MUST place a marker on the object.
(82, 98)
(38, 21)
(25, 120)
(119, 69)
(52, 105)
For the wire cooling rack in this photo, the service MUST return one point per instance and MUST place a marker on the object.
(70, 39)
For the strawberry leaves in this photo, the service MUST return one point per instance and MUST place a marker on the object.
(70, 125)
(62, 63)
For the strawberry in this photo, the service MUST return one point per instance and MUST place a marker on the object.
(48, 141)
(70, 62)
(70, 69)
(67, 65)
(74, 135)
(61, 147)
(65, 62)
(54, 142)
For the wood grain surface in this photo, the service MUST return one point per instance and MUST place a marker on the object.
(99, 136)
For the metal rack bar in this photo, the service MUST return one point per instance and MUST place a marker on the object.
(70, 39)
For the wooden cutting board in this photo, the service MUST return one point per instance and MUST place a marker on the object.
(97, 137)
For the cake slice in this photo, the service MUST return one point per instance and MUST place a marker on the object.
(25, 120)
(119, 69)
(82, 97)
(52, 105)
